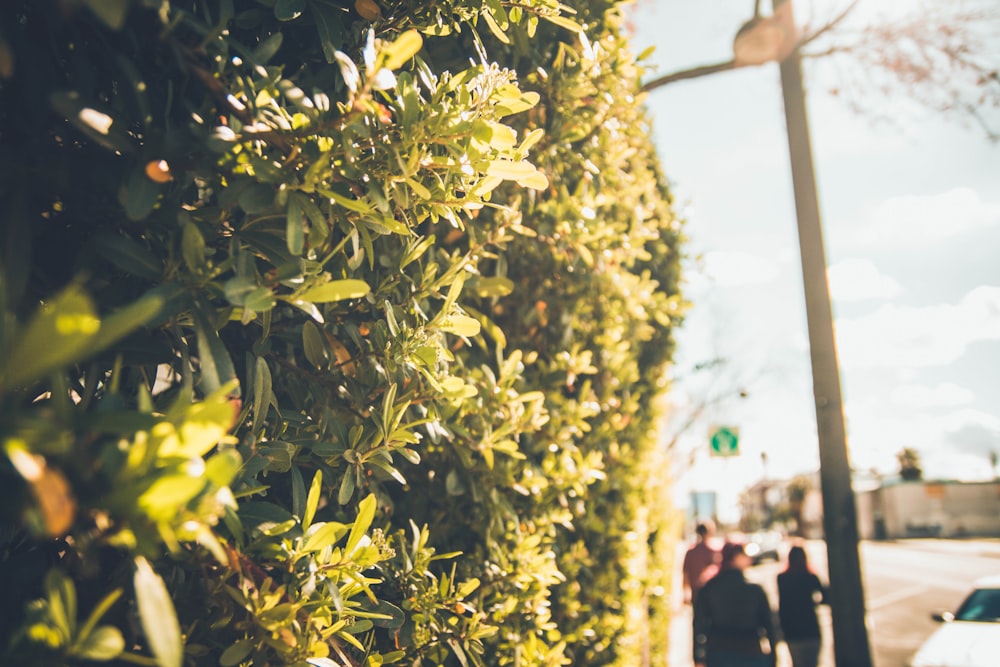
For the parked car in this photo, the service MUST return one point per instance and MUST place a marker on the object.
(764, 545)
(971, 636)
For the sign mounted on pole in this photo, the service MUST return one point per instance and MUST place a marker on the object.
(724, 441)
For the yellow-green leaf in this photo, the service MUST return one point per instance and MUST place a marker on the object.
(312, 501)
(535, 181)
(418, 188)
(564, 22)
(335, 290)
(405, 47)
(103, 644)
(461, 325)
(60, 332)
(159, 619)
(323, 535)
(366, 513)
(510, 170)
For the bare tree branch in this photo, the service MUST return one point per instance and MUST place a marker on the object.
(693, 73)
(941, 58)
(705, 70)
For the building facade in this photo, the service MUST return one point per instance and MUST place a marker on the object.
(899, 509)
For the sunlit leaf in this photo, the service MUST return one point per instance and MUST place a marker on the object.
(60, 332)
(157, 615)
(335, 290)
(312, 502)
(104, 643)
(366, 513)
(405, 47)
(323, 535)
(460, 325)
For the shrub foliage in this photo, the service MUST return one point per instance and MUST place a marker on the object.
(333, 334)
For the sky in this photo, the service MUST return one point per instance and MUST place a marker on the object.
(910, 203)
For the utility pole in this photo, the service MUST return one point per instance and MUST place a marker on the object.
(847, 600)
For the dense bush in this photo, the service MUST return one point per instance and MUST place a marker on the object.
(334, 333)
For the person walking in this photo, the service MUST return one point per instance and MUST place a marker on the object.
(799, 591)
(733, 621)
(701, 561)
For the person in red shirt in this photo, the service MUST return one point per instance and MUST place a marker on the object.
(701, 561)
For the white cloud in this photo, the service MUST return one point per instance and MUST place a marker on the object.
(950, 444)
(733, 268)
(921, 397)
(897, 336)
(858, 280)
(923, 220)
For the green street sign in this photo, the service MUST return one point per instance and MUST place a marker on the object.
(724, 441)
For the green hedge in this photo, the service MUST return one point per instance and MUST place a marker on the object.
(334, 333)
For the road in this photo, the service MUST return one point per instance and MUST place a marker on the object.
(905, 581)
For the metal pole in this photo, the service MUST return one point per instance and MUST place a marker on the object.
(847, 600)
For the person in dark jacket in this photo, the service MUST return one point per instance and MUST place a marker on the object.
(733, 624)
(799, 591)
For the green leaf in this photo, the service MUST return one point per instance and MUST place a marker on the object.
(347, 485)
(494, 26)
(314, 346)
(236, 653)
(510, 170)
(493, 286)
(289, 10)
(256, 198)
(103, 644)
(168, 495)
(366, 513)
(146, 309)
(418, 188)
(193, 248)
(329, 24)
(129, 256)
(216, 367)
(530, 140)
(563, 22)
(141, 195)
(514, 101)
(356, 205)
(262, 390)
(405, 47)
(295, 231)
(460, 325)
(95, 120)
(61, 594)
(298, 492)
(97, 612)
(535, 181)
(254, 513)
(111, 12)
(222, 468)
(396, 616)
(312, 502)
(61, 331)
(157, 614)
(335, 290)
(269, 47)
(323, 535)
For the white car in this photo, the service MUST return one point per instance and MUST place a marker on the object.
(971, 636)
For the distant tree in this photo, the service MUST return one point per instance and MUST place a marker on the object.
(798, 489)
(939, 55)
(909, 464)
